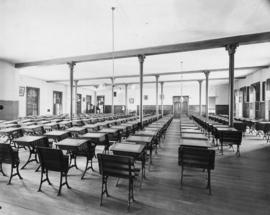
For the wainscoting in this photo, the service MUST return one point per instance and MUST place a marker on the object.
(10, 110)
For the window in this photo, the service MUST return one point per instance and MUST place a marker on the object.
(247, 94)
(263, 91)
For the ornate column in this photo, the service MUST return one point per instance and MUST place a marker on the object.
(112, 95)
(206, 93)
(200, 97)
(162, 97)
(76, 97)
(95, 100)
(157, 76)
(126, 97)
(141, 60)
(231, 51)
(71, 71)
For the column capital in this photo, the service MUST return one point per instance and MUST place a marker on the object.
(76, 81)
(113, 79)
(231, 48)
(200, 81)
(141, 58)
(206, 72)
(162, 83)
(71, 64)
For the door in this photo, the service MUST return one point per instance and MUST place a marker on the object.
(57, 103)
(180, 105)
(176, 109)
(32, 101)
(100, 104)
(79, 103)
(88, 103)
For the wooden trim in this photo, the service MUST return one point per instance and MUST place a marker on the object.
(169, 81)
(165, 49)
(165, 73)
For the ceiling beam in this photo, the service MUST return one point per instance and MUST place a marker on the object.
(165, 49)
(164, 74)
(168, 81)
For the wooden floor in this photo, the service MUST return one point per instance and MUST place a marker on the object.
(239, 186)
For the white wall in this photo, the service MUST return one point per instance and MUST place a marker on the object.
(8, 82)
(260, 75)
(46, 95)
(170, 89)
(222, 94)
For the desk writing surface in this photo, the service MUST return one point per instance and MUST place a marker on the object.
(127, 124)
(123, 127)
(64, 122)
(145, 139)
(28, 123)
(56, 133)
(227, 129)
(71, 142)
(151, 129)
(32, 127)
(43, 122)
(28, 138)
(5, 126)
(155, 126)
(190, 130)
(147, 133)
(91, 126)
(100, 136)
(108, 130)
(265, 123)
(125, 147)
(199, 143)
(9, 130)
(193, 136)
(50, 124)
(220, 126)
(76, 129)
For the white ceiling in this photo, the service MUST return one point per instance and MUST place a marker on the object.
(37, 29)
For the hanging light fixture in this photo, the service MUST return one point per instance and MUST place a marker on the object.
(181, 84)
(113, 42)
(113, 50)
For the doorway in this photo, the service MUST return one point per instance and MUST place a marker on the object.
(32, 101)
(180, 105)
(57, 102)
(79, 103)
(100, 104)
(88, 103)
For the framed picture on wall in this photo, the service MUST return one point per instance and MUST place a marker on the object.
(145, 97)
(21, 91)
(131, 101)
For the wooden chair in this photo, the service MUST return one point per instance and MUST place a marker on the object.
(89, 153)
(232, 138)
(53, 160)
(9, 156)
(196, 157)
(119, 167)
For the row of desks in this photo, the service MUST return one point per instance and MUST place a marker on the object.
(218, 131)
(62, 140)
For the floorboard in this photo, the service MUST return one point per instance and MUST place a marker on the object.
(239, 186)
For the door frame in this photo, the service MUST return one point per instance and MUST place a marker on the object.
(55, 91)
(86, 102)
(80, 103)
(38, 109)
